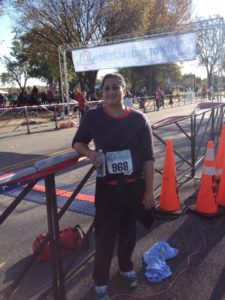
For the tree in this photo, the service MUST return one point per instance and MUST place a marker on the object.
(188, 80)
(42, 57)
(151, 77)
(210, 45)
(4, 78)
(17, 66)
(79, 22)
(90, 22)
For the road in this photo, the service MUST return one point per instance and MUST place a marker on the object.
(200, 242)
(19, 151)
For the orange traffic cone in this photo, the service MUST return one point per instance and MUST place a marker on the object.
(206, 202)
(221, 191)
(169, 198)
(220, 156)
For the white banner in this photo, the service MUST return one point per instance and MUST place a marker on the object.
(160, 50)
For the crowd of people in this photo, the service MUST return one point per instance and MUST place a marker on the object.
(82, 97)
(24, 98)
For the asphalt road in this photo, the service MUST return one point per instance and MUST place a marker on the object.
(198, 272)
(22, 150)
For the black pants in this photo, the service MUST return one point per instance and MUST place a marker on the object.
(116, 215)
(158, 103)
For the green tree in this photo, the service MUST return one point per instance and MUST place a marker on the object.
(151, 77)
(4, 77)
(18, 68)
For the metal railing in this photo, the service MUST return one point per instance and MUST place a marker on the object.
(190, 135)
(46, 169)
(31, 119)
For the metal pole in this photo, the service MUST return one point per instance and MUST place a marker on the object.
(55, 117)
(66, 83)
(193, 136)
(16, 201)
(27, 120)
(53, 227)
(60, 71)
(213, 124)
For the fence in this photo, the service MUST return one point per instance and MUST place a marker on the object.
(31, 119)
(28, 119)
(190, 134)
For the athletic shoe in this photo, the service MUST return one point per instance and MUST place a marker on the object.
(101, 293)
(130, 279)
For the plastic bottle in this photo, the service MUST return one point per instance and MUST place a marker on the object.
(100, 170)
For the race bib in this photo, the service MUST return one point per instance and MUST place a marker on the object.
(119, 162)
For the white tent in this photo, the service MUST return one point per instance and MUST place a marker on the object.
(3, 92)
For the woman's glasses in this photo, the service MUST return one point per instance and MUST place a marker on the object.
(114, 88)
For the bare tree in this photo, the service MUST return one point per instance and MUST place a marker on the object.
(210, 45)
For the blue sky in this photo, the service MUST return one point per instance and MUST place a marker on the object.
(5, 36)
(201, 8)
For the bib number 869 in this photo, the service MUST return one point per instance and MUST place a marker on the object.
(119, 167)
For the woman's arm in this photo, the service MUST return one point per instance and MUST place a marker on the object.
(149, 198)
(84, 150)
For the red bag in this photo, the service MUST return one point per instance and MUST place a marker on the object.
(70, 239)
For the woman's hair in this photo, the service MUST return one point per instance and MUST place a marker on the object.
(119, 78)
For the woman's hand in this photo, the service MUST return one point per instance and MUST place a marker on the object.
(94, 157)
(148, 200)
(86, 151)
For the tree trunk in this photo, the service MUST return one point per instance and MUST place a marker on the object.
(151, 84)
(90, 80)
(210, 79)
(133, 81)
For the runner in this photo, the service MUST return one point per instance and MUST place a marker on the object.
(124, 137)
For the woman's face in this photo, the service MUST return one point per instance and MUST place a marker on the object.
(113, 93)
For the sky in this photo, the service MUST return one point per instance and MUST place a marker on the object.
(200, 8)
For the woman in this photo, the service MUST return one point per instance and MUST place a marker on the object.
(80, 97)
(124, 135)
(158, 97)
(83, 103)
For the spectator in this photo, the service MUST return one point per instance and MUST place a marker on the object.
(170, 96)
(204, 92)
(144, 91)
(50, 96)
(93, 96)
(14, 100)
(158, 97)
(22, 98)
(83, 103)
(77, 95)
(34, 96)
(44, 99)
(1, 100)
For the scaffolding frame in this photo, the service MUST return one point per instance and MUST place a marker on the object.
(216, 24)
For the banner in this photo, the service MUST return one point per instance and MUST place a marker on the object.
(149, 51)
